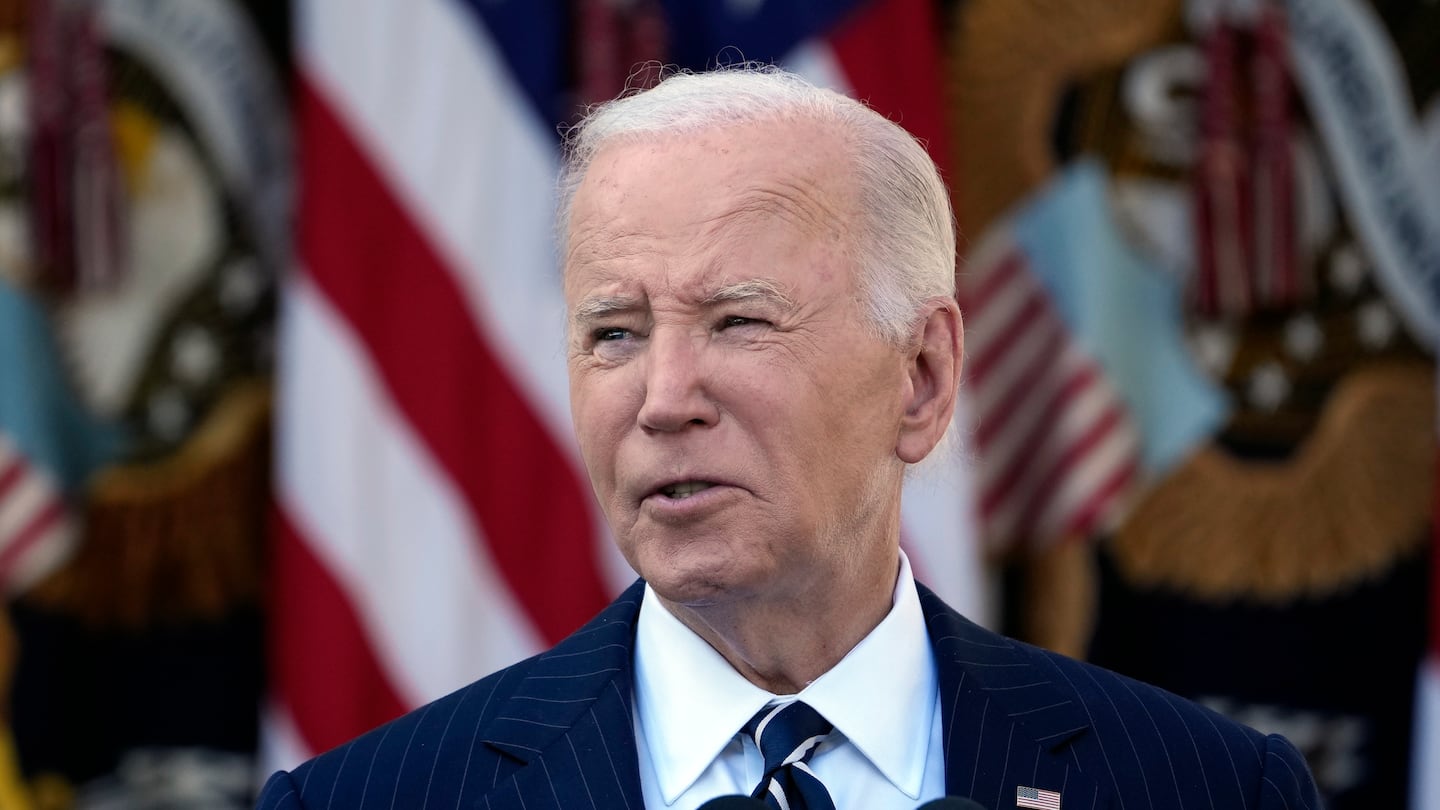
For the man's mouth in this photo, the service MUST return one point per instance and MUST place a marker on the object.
(681, 490)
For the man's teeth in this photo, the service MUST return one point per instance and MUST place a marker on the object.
(685, 490)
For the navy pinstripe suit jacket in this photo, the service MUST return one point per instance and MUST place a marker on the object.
(555, 731)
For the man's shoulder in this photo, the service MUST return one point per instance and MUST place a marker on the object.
(1165, 732)
(1134, 737)
(995, 658)
(1108, 693)
(468, 707)
(425, 750)
(447, 733)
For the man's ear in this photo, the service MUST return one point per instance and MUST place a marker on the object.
(934, 377)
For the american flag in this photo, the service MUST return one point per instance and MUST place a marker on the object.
(433, 520)
(1037, 798)
(36, 531)
(1057, 448)
(49, 445)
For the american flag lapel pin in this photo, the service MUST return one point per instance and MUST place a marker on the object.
(1037, 798)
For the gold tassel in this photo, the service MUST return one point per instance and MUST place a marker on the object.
(180, 538)
(1355, 497)
(1010, 62)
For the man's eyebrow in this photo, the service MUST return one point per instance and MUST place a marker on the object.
(603, 305)
(749, 290)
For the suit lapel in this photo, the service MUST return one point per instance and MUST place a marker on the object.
(568, 735)
(1006, 722)
(567, 728)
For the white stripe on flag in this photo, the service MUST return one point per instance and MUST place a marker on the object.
(1085, 407)
(25, 498)
(1002, 312)
(32, 513)
(1035, 411)
(367, 495)
(1106, 459)
(402, 72)
(45, 555)
(1074, 488)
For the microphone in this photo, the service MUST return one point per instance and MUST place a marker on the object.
(949, 803)
(735, 802)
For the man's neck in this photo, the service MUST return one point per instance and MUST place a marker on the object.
(782, 647)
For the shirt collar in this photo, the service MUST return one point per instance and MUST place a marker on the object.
(691, 702)
(893, 669)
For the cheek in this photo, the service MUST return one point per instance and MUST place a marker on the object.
(588, 414)
(601, 414)
(852, 419)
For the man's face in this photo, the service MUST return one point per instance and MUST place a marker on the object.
(737, 417)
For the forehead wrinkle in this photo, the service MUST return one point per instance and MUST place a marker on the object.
(601, 243)
(800, 202)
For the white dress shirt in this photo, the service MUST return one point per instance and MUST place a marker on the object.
(882, 698)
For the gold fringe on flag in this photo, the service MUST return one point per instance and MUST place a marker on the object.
(1355, 497)
(178, 539)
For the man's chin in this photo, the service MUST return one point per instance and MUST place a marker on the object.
(691, 592)
(701, 587)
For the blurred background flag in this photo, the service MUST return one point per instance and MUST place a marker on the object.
(1199, 237)
(49, 444)
(433, 519)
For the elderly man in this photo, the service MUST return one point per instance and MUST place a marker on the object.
(763, 337)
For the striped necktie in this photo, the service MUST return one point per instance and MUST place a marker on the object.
(787, 736)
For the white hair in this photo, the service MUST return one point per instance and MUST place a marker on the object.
(905, 251)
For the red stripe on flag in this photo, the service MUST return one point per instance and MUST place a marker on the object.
(1000, 343)
(317, 635)
(1044, 488)
(1023, 459)
(976, 296)
(10, 476)
(30, 534)
(1024, 386)
(375, 265)
(1085, 522)
(901, 83)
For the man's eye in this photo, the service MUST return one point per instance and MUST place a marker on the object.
(738, 320)
(609, 333)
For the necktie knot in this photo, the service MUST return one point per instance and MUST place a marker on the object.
(787, 736)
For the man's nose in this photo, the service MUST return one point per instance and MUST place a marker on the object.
(676, 395)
